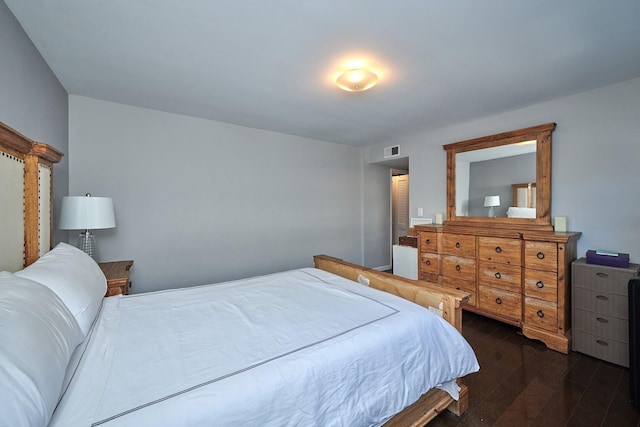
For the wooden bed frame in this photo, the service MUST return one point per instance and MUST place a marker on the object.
(428, 295)
(30, 164)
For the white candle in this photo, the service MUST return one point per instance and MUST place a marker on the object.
(561, 223)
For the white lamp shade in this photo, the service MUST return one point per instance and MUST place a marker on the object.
(86, 213)
(491, 201)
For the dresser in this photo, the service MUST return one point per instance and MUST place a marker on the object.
(600, 310)
(520, 277)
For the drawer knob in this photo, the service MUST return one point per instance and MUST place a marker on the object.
(428, 262)
(498, 300)
(457, 268)
(603, 275)
(458, 287)
(602, 298)
(539, 284)
(602, 343)
(428, 241)
(498, 275)
(602, 320)
(540, 255)
(498, 249)
(540, 314)
(457, 244)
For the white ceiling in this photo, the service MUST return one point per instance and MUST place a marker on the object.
(271, 64)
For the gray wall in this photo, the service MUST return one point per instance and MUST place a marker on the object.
(32, 100)
(199, 201)
(494, 178)
(595, 171)
(376, 231)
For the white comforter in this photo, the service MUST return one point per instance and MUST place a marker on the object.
(300, 348)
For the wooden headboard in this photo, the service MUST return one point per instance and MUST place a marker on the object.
(26, 185)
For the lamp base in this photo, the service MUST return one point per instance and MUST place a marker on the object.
(87, 243)
(492, 213)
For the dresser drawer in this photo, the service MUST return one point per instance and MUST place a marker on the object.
(430, 263)
(428, 241)
(603, 348)
(462, 285)
(458, 267)
(461, 245)
(541, 284)
(597, 277)
(502, 276)
(540, 313)
(601, 325)
(601, 302)
(505, 303)
(428, 277)
(496, 249)
(541, 255)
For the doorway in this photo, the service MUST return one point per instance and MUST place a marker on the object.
(399, 205)
(383, 199)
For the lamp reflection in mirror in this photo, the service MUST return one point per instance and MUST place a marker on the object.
(87, 213)
(490, 202)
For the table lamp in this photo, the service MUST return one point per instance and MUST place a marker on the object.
(490, 202)
(87, 213)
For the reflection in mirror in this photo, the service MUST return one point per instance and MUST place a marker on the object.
(524, 195)
(493, 172)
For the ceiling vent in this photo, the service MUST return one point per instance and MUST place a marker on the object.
(393, 151)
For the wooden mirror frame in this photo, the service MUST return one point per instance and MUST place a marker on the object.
(542, 135)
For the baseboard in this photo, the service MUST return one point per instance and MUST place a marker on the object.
(383, 268)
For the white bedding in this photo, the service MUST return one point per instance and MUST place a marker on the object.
(303, 347)
(514, 212)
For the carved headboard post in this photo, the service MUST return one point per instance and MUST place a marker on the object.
(35, 180)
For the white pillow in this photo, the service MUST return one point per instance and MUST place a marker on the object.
(75, 277)
(37, 337)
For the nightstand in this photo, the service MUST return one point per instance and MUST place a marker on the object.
(117, 274)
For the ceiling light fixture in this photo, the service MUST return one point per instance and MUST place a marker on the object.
(357, 80)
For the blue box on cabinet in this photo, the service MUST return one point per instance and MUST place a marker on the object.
(620, 260)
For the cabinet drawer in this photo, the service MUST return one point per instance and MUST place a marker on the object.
(496, 249)
(458, 267)
(541, 284)
(540, 313)
(603, 348)
(601, 302)
(462, 285)
(428, 277)
(505, 303)
(601, 325)
(428, 241)
(502, 276)
(611, 280)
(541, 255)
(430, 263)
(461, 245)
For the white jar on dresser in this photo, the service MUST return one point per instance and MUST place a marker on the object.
(600, 310)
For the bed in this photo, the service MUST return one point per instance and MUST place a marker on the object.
(330, 345)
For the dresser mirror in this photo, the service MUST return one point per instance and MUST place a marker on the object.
(501, 180)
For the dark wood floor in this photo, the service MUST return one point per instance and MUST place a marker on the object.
(522, 383)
